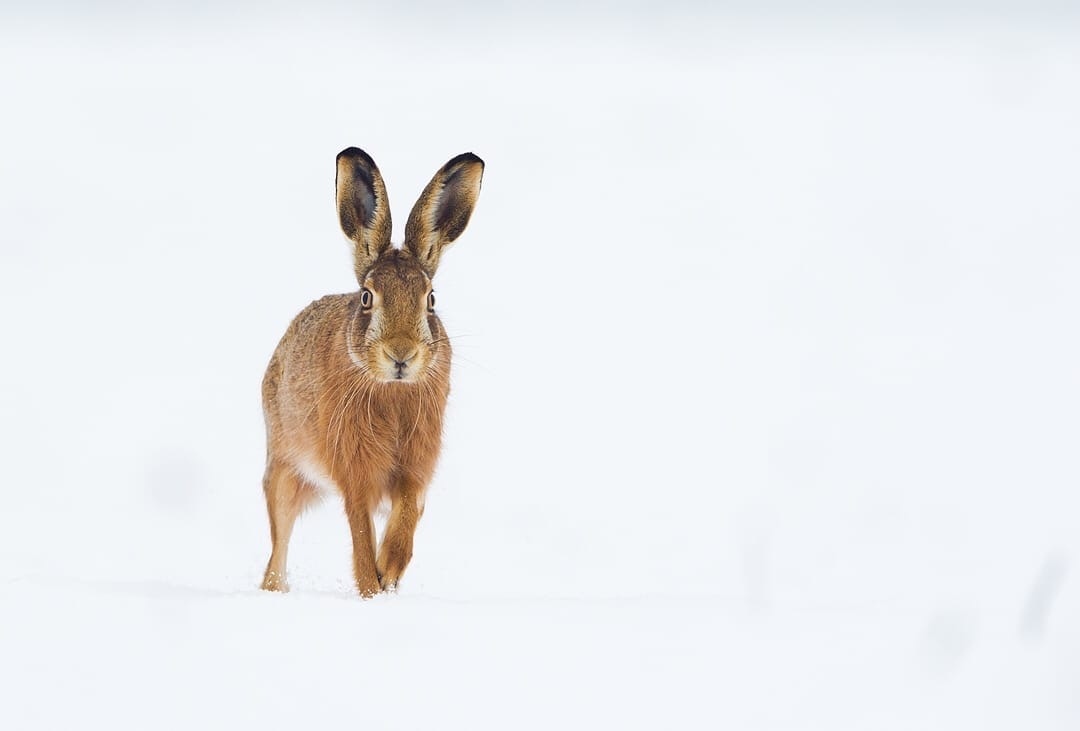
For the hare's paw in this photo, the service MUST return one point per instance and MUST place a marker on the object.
(274, 581)
(368, 589)
(389, 585)
(391, 565)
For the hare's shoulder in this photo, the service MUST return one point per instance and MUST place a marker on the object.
(325, 313)
(313, 328)
(329, 306)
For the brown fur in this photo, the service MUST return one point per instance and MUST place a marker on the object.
(353, 396)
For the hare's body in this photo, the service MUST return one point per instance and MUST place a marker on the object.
(308, 419)
(355, 391)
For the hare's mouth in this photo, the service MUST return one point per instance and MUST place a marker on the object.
(399, 375)
(400, 365)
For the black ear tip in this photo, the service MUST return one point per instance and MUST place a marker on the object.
(357, 155)
(465, 157)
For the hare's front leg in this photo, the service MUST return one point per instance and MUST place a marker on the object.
(286, 497)
(397, 545)
(363, 538)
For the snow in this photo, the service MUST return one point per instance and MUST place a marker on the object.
(766, 398)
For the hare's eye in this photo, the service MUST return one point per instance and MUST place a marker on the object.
(431, 301)
(366, 299)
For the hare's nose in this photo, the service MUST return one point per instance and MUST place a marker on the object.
(401, 355)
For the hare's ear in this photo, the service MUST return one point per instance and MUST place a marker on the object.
(362, 207)
(444, 208)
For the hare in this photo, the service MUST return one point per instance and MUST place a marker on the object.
(355, 392)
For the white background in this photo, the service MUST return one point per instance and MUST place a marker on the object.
(765, 406)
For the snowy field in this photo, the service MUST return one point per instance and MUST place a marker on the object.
(766, 406)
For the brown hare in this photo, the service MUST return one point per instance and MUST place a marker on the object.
(355, 391)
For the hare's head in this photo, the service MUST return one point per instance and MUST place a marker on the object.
(394, 334)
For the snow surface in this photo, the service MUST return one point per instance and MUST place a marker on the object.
(765, 408)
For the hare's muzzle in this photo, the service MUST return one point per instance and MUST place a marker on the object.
(401, 362)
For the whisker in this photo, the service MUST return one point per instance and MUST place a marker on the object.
(457, 357)
(419, 409)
